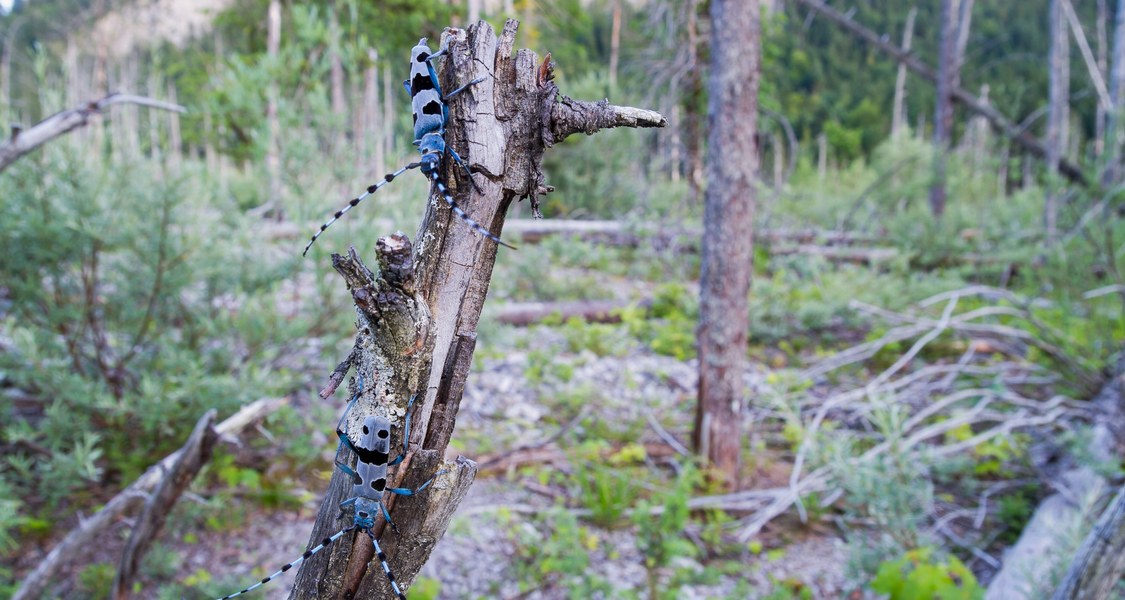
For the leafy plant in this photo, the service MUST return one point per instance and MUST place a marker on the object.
(660, 536)
(919, 575)
(559, 550)
(608, 491)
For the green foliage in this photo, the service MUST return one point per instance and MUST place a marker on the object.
(544, 366)
(816, 73)
(11, 518)
(115, 280)
(669, 326)
(96, 580)
(425, 588)
(1014, 511)
(894, 492)
(600, 338)
(660, 537)
(558, 549)
(788, 589)
(920, 575)
(607, 490)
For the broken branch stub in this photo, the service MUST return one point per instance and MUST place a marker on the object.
(417, 318)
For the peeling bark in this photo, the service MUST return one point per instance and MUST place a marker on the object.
(417, 317)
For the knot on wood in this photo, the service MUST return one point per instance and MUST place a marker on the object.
(396, 261)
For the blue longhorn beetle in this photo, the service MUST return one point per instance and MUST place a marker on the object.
(369, 484)
(431, 116)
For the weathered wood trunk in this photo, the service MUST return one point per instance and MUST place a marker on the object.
(1100, 562)
(417, 317)
(1117, 96)
(898, 114)
(943, 110)
(1058, 64)
(729, 205)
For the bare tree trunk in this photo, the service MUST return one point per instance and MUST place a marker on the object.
(822, 156)
(373, 129)
(273, 150)
(964, 22)
(728, 213)
(1002, 174)
(692, 103)
(614, 43)
(175, 137)
(388, 134)
(898, 117)
(336, 68)
(210, 155)
(1058, 113)
(417, 318)
(778, 151)
(154, 120)
(1116, 83)
(975, 139)
(1102, 38)
(943, 110)
(6, 61)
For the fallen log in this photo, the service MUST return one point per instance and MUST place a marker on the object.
(81, 537)
(193, 456)
(1100, 563)
(1029, 564)
(836, 254)
(617, 233)
(522, 314)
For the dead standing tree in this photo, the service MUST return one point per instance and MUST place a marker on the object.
(417, 317)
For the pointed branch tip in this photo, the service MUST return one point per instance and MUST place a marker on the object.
(569, 116)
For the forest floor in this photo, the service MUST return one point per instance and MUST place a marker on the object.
(480, 555)
(577, 425)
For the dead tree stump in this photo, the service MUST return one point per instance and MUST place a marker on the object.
(417, 317)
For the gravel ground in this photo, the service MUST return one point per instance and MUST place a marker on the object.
(501, 408)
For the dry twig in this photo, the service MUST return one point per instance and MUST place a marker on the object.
(24, 141)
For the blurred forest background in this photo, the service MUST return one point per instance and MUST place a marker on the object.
(934, 335)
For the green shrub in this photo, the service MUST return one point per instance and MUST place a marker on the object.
(919, 575)
(556, 551)
(660, 537)
(133, 311)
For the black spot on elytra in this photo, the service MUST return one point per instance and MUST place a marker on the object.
(420, 83)
(365, 430)
(433, 107)
(383, 433)
(423, 57)
(371, 457)
(379, 484)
